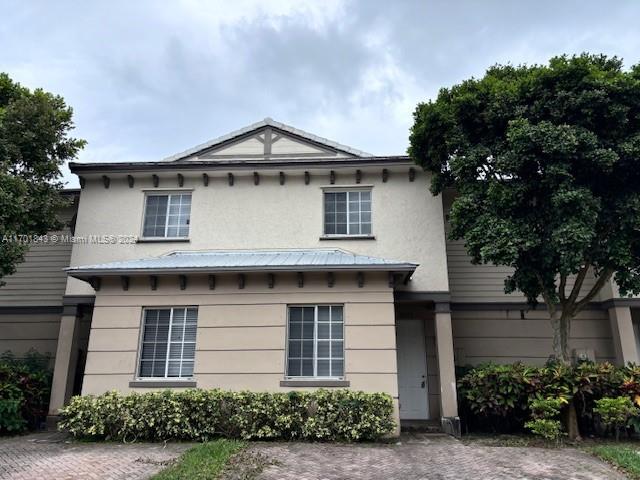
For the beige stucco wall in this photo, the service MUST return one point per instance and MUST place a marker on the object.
(407, 219)
(241, 334)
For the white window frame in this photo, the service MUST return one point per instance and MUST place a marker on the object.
(166, 361)
(167, 194)
(315, 343)
(347, 191)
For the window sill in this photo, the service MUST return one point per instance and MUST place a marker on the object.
(315, 383)
(347, 237)
(163, 240)
(162, 384)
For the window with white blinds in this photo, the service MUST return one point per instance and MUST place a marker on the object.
(315, 341)
(168, 342)
(167, 216)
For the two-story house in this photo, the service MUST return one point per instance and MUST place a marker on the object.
(271, 259)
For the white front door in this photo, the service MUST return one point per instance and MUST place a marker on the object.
(412, 370)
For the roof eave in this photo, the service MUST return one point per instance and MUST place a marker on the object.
(77, 168)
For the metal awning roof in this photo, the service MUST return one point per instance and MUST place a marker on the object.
(245, 261)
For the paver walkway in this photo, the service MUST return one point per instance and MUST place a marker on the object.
(429, 457)
(46, 456)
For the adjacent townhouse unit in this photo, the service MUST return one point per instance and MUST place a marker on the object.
(271, 259)
(31, 300)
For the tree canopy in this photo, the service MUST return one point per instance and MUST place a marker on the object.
(34, 143)
(545, 160)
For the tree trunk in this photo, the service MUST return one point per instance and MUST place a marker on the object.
(573, 431)
(561, 323)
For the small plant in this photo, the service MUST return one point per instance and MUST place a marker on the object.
(544, 413)
(547, 407)
(616, 413)
(547, 429)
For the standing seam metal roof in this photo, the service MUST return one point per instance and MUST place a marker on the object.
(248, 260)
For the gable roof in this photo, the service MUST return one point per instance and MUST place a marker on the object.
(234, 261)
(268, 122)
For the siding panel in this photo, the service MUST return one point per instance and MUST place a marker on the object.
(21, 333)
(502, 336)
(40, 279)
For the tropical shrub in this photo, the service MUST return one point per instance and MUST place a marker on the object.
(11, 420)
(498, 398)
(198, 414)
(25, 385)
(616, 413)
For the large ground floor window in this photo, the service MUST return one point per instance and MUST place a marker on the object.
(315, 341)
(168, 343)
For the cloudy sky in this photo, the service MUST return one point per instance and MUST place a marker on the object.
(147, 79)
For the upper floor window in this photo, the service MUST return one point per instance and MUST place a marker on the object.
(347, 213)
(168, 344)
(315, 341)
(167, 215)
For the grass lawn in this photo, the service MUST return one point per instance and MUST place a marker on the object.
(204, 461)
(625, 456)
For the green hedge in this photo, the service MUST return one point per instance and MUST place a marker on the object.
(25, 386)
(196, 414)
(497, 398)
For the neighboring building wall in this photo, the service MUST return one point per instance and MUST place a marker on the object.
(483, 283)
(40, 280)
(241, 334)
(487, 329)
(23, 332)
(31, 300)
(503, 336)
(407, 220)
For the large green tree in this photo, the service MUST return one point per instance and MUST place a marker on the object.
(545, 161)
(34, 143)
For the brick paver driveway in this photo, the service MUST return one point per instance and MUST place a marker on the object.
(46, 456)
(428, 457)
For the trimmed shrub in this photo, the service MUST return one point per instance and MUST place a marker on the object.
(25, 386)
(196, 414)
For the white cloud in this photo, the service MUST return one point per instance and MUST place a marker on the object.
(149, 78)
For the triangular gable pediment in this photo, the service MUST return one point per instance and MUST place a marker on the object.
(268, 140)
(270, 143)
